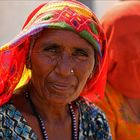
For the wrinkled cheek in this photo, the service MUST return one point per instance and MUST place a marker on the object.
(42, 66)
(40, 71)
(37, 78)
(84, 77)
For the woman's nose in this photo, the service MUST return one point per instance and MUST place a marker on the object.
(64, 66)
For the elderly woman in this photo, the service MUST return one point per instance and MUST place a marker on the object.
(63, 46)
(122, 98)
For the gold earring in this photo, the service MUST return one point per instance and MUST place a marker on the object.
(90, 76)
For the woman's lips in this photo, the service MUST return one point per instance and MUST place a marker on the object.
(61, 86)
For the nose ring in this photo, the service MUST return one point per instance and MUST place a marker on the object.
(71, 71)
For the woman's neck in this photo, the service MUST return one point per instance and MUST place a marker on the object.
(63, 116)
(49, 111)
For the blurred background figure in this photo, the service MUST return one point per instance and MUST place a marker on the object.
(122, 97)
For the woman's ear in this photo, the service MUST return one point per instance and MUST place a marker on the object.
(28, 62)
(28, 59)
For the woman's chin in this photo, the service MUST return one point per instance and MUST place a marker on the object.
(58, 99)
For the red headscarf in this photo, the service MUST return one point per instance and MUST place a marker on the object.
(122, 27)
(67, 15)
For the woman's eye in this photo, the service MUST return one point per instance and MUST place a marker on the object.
(80, 53)
(51, 49)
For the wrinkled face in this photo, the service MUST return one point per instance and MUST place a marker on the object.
(54, 55)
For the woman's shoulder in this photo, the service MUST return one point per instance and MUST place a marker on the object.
(8, 116)
(89, 107)
(93, 121)
(13, 125)
(6, 109)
